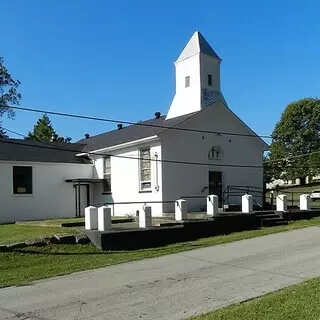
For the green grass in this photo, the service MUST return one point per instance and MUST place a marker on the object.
(302, 189)
(24, 265)
(296, 302)
(11, 233)
(293, 195)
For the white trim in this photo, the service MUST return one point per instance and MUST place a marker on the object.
(141, 182)
(122, 145)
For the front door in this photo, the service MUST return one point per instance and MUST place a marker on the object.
(82, 197)
(215, 184)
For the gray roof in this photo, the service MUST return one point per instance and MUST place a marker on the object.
(205, 47)
(35, 151)
(197, 44)
(131, 133)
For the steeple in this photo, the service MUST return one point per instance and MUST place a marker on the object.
(197, 44)
(197, 78)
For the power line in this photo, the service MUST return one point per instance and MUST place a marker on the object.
(48, 145)
(292, 157)
(142, 124)
(268, 161)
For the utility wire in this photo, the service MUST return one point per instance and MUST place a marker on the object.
(142, 124)
(292, 157)
(48, 145)
(267, 161)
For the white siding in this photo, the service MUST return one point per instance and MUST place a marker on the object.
(186, 100)
(189, 180)
(125, 181)
(52, 197)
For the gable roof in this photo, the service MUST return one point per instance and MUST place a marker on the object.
(35, 151)
(197, 44)
(130, 133)
(148, 128)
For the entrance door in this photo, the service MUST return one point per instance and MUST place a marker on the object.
(82, 197)
(215, 184)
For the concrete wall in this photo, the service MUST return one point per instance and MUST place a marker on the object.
(181, 180)
(52, 197)
(125, 181)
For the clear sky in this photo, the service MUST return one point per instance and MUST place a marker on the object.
(114, 59)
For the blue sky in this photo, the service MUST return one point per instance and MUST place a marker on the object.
(114, 59)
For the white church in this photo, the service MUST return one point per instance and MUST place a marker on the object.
(188, 153)
(208, 162)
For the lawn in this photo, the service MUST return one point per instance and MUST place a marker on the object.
(296, 302)
(50, 222)
(293, 195)
(11, 233)
(24, 265)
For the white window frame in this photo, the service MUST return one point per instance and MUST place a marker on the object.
(143, 184)
(107, 174)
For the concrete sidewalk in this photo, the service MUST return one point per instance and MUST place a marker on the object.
(171, 287)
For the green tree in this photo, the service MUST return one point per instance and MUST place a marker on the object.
(43, 131)
(296, 140)
(267, 170)
(9, 96)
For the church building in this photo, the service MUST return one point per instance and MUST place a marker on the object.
(200, 147)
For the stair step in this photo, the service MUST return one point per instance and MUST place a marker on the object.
(273, 219)
(265, 216)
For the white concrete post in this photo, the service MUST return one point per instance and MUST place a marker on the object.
(145, 217)
(304, 202)
(212, 205)
(281, 203)
(91, 218)
(247, 203)
(181, 211)
(104, 218)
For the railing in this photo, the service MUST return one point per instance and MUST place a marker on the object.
(113, 204)
(239, 191)
(293, 199)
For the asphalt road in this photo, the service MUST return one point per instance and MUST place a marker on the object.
(171, 287)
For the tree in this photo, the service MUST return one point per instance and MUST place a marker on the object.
(296, 140)
(9, 96)
(267, 170)
(43, 131)
(3, 134)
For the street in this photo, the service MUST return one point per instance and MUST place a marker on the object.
(171, 287)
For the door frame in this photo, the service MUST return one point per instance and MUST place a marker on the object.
(220, 187)
(77, 194)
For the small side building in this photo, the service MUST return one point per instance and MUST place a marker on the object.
(33, 180)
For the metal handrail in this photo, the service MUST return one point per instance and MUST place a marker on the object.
(139, 202)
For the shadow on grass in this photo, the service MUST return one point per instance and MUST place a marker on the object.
(49, 250)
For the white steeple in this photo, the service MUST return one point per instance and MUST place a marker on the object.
(197, 78)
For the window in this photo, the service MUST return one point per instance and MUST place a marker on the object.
(209, 79)
(187, 81)
(22, 180)
(107, 174)
(145, 170)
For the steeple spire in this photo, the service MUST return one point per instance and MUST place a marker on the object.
(197, 44)
(197, 78)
